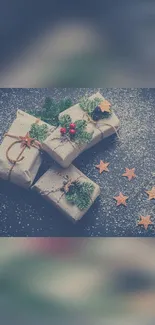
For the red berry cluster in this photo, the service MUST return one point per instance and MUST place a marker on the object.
(72, 129)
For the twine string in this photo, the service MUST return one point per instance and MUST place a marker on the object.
(103, 123)
(18, 159)
(33, 143)
(65, 186)
(62, 140)
(66, 138)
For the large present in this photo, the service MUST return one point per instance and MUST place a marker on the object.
(20, 151)
(69, 190)
(81, 127)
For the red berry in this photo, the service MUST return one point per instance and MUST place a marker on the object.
(72, 131)
(72, 126)
(63, 130)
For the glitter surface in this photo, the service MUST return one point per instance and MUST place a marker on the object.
(23, 213)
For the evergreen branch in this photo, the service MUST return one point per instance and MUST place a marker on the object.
(89, 106)
(65, 121)
(80, 194)
(80, 125)
(51, 110)
(39, 132)
(81, 136)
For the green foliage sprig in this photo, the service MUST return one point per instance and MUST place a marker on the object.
(79, 194)
(51, 110)
(81, 136)
(39, 132)
(65, 121)
(89, 106)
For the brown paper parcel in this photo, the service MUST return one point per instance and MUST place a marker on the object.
(65, 153)
(23, 172)
(53, 180)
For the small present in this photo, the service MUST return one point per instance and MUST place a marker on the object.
(20, 151)
(69, 190)
(81, 127)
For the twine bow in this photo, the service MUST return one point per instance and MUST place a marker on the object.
(64, 188)
(105, 108)
(97, 124)
(26, 142)
(63, 139)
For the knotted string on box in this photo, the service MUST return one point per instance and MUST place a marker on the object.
(63, 139)
(26, 142)
(97, 124)
(68, 182)
(101, 123)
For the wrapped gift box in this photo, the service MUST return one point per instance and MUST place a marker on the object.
(65, 152)
(50, 187)
(24, 171)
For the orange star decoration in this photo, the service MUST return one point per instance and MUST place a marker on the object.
(105, 106)
(130, 173)
(145, 221)
(26, 141)
(151, 193)
(121, 199)
(103, 167)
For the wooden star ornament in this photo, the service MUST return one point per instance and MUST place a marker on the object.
(130, 173)
(26, 140)
(103, 167)
(145, 221)
(105, 106)
(121, 199)
(151, 193)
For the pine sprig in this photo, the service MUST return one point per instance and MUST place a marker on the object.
(80, 194)
(80, 125)
(39, 132)
(65, 121)
(89, 107)
(51, 110)
(81, 136)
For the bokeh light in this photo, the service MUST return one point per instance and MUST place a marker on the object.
(77, 44)
(71, 281)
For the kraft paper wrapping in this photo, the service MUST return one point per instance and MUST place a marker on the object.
(53, 180)
(24, 172)
(65, 153)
